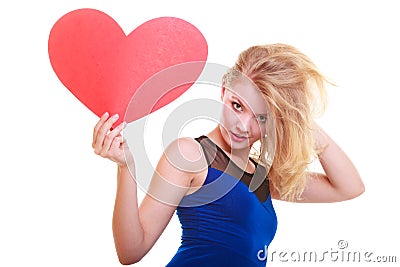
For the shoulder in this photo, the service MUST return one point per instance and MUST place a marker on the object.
(186, 155)
(180, 166)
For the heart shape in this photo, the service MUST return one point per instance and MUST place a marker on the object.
(104, 68)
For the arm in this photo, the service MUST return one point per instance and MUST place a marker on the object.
(341, 180)
(135, 228)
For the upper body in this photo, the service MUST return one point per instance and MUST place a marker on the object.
(266, 99)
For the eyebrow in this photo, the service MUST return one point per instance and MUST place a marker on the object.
(235, 97)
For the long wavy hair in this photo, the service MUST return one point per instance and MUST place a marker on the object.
(294, 90)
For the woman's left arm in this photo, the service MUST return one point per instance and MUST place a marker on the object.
(341, 180)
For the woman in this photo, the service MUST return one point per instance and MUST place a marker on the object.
(220, 190)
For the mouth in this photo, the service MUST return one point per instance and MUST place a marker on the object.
(238, 137)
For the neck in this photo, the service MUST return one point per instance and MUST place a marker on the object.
(239, 156)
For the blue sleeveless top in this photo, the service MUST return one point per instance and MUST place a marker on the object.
(225, 223)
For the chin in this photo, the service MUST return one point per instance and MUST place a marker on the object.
(240, 143)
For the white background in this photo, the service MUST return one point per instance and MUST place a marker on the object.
(57, 196)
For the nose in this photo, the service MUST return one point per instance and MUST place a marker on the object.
(244, 124)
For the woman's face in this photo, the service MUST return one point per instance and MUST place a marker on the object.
(244, 115)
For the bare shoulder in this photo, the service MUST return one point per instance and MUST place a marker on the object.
(179, 169)
(186, 154)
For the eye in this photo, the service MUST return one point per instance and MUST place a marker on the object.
(237, 106)
(261, 118)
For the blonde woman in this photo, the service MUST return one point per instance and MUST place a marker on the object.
(222, 190)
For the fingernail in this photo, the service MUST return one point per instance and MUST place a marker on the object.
(115, 117)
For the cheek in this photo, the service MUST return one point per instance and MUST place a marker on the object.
(258, 130)
(227, 117)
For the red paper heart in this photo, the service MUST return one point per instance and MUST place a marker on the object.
(104, 68)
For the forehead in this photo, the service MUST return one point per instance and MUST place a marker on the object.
(247, 92)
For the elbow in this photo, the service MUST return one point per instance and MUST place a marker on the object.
(360, 191)
(128, 260)
(128, 256)
(129, 252)
(356, 192)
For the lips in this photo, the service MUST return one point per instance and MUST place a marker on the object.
(238, 137)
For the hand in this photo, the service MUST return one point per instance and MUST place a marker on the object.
(110, 143)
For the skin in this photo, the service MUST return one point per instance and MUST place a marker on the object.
(182, 169)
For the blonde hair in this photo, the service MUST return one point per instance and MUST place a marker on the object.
(294, 89)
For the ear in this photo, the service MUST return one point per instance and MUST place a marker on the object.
(223, 91)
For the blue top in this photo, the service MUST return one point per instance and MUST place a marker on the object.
(224, 223)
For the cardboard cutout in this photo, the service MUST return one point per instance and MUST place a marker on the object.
(103, 67)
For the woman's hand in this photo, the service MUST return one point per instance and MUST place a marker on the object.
(110, 143)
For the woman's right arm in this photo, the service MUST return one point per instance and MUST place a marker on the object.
(135, 228)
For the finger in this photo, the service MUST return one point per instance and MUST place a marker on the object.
(101, 121)
(110, 137)
(116, 144)
(115, 153)
(102, 132)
